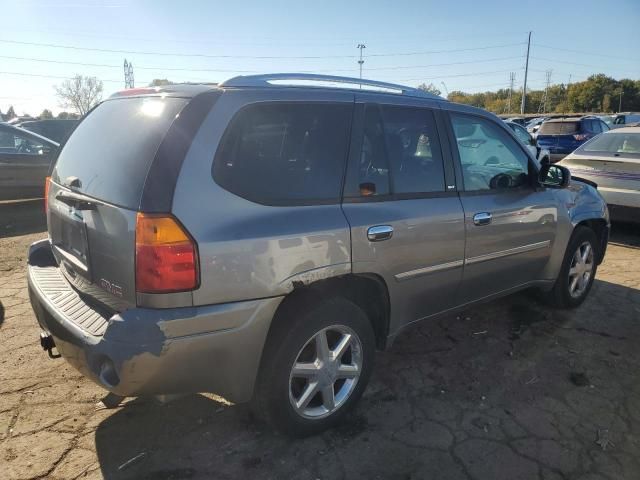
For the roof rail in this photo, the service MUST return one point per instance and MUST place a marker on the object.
(267, 79)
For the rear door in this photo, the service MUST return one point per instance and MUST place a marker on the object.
(24, 163)
(510, 224)
(401, 203)
(96, 191)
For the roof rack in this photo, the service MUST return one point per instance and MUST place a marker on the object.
(267, 79)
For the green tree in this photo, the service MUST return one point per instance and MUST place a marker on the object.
(46, 115)
(430, 88)
(67, 116)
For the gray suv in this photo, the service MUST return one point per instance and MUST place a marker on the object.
(262, 238)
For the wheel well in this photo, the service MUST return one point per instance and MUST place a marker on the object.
(368, 291)
(599, 227)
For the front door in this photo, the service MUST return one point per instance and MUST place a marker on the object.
(406, 225)
(510, 222)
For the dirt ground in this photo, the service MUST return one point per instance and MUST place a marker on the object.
(508, 390)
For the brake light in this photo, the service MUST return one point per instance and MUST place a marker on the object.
(166, 255)
(580, 136)
(47, 183)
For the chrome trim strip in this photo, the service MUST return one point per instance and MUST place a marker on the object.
(506, 253)
(426, 270)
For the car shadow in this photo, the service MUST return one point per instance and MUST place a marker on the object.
(22, 217)
(435, 384)
(625, 234)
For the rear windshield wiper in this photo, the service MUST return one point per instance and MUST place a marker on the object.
(78, 201)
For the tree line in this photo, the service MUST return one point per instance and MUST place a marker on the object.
(598, 93)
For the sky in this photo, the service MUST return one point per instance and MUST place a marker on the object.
(466, 45)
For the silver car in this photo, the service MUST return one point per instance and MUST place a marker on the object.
(612, 161)
(262, 238)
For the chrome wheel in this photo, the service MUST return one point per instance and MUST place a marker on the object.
(581, 269)
(325, 372)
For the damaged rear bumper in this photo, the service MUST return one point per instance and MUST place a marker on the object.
(142, 351)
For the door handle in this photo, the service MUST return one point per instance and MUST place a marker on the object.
(483, 218)
(379, 233)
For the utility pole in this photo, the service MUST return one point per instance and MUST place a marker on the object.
(543, 104)
(568, 85)
(512, 79)
(128, 74)
(620, 102)
(526, 72)
(361, 46)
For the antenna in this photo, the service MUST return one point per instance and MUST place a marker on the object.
(128, 74)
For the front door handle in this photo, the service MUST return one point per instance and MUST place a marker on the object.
(483, 218)
(379, 233)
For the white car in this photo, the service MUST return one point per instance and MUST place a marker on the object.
(612, 160)
(525, 137)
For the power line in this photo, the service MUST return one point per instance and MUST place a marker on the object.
(254, 57)
(473, 74)
(583, 52)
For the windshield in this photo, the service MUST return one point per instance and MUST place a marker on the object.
(614, 143)
(559, 128)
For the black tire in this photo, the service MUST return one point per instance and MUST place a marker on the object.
(297, 324)
(560, 295)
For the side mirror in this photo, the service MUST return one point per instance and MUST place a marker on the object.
(554, 176)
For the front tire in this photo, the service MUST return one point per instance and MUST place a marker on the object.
(316, 366)
(578, 270)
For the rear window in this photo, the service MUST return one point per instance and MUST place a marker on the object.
(559, 128)
(285, 153)
(111, 150)
(614, 143)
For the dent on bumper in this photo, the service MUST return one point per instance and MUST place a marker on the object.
(215, 348)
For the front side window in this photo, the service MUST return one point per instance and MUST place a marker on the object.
(282, 153)
(522, 134)
(18, 144)
(490, 159)
(400, 152)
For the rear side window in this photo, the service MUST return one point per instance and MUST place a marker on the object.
(559, 128)
(111, 150)
(285, 153)
(400, 153)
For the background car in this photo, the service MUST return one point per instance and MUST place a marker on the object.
(563, 135)
(525, 137)
(519, 120)
(24, 162)
(534, 124)
(623, 119)
(608, 119)
(56, 130)
(612, 160)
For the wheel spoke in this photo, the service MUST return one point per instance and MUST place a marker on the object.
(586, 253)
(577, 258)
(342, 346)
(309, 392)
(348, 371)
(574, 284)
(328, 397)
(322, 346)
(305, 370)
(573, 272)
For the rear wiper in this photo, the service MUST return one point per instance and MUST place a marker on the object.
(77, 200)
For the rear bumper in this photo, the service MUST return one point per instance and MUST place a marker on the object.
(142, 351)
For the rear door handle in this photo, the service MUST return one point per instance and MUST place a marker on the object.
(483, 218)
(379, 233)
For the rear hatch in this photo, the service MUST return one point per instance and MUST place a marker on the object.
(95, 194)
(560, 137)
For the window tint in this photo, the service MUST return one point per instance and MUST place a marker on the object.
(490, 158)
(400, 152)
(285, 153)
(16, 143)
(559, 128)
(521, 133)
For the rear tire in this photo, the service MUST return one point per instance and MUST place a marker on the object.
(577, 272)
(315, 367)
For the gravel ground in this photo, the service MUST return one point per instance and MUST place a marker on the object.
(506, 390)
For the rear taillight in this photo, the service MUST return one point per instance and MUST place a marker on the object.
(166, 255)
(47, 182)
(580, 136)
